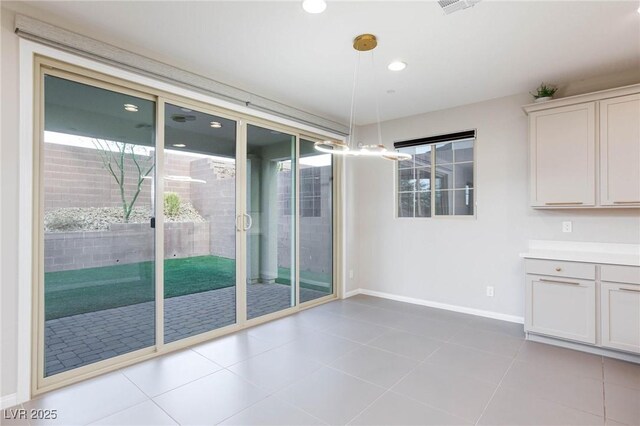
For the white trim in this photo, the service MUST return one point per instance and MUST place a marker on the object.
(351, 293)
(25, 230)
(27, 52)
(438, 305)
(8, 401)
(584, 348)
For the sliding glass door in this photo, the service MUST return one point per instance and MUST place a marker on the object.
(199, 222)
(97, 179)
(164, 221)
(316, 223)
(271, 215)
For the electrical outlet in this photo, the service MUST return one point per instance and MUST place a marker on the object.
(350, 273)
(489, 291)
(566, 226)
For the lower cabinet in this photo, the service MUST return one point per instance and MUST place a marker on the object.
(620, 312)
(594, 304)
(561, 307)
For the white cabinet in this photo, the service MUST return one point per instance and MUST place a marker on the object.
(620, 151)
(561, 307)
(593, 304)
(620, 307)
(585, 150)
(563, 148)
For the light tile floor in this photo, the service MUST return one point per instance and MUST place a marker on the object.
(361, 361)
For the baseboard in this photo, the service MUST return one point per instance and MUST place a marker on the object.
(584, 348)
(352, 293)
(445, 306)
(8, 401)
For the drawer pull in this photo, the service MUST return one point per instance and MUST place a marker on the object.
(564, 203)
(629, 289)
(626, 202)
(558, 269)
(558, 282)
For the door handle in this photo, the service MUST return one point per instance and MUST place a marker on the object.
(238, 226)
(248, 221)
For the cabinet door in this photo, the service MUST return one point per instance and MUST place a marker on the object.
(563, 148)
(620, 151)
(620, 310)
(561, 307)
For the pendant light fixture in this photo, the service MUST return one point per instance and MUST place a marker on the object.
(362, 43)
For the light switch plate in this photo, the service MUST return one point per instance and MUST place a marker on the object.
(566, 226)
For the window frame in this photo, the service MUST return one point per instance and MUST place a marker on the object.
(432, 188)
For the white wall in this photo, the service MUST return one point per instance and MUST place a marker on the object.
(452, 260)
(9, 200)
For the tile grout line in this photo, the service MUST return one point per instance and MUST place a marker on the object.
(513, 360)
(148, 399)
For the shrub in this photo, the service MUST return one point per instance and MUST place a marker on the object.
(62, 223)
(171, 204)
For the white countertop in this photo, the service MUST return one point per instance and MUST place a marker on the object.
(606, 253)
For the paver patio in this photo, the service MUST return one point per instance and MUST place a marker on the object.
(82, 339)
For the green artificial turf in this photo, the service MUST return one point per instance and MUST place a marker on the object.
(94, 289)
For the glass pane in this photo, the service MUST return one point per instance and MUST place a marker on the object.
(271, 173)
(199, 230)
(423, 176)
(464, 175)
(463, 151)
(407, 164)
(444, 153)
(406, 180)
(463, 202)
(98, 173)
(316, 223)
(405, 204)
(444, 202)
(423, 156)
(423, 204)
(444, 177)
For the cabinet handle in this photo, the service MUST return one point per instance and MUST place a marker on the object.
(564, 203)
(558, 282)
(626, 202)
(629, 289)
(558, 269)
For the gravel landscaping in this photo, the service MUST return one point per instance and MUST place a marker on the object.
(100, 218)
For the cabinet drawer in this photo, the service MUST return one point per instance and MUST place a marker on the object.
(620, 274)
(564, 308)
(559, 268)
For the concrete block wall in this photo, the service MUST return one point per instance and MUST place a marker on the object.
(76, 177)
(315, 232)
(124, 243)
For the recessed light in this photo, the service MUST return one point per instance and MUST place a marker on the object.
(397, 66)
(179, 145)
(639, 10)
(131, 107)
(314, 6)
(215, 125)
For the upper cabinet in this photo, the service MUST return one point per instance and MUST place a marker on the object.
(585, 150)
(563, 148)
(620, 151)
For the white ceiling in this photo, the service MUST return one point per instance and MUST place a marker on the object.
(277, 50)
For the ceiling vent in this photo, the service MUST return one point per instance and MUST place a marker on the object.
(450, 6)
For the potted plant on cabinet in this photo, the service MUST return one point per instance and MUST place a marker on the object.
(544, 93)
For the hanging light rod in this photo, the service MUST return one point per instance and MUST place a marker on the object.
(362, 43)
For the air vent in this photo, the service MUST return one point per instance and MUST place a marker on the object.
(450, 6)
